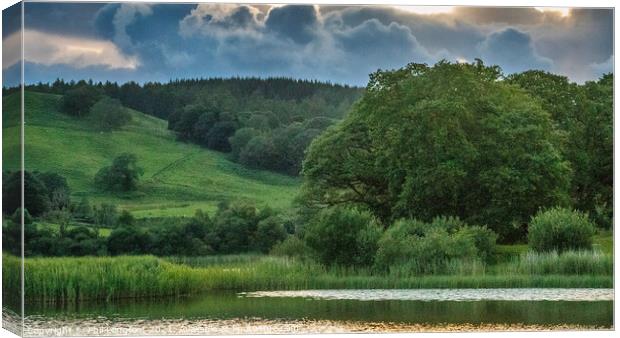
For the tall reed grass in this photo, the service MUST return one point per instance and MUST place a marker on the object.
(72, 278)
(566, 263)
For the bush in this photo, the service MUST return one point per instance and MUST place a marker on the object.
(437, 247)
(17, 216)
(36, 197)
(484, 241)
(126, 218)
(128, 240)
(340, 236)
(83, 211)
(269, 232)
(292, 246)
(106, 214)
(122, 175)
(560, 229)
(109, 114)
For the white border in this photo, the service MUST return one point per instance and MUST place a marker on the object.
(481, 3)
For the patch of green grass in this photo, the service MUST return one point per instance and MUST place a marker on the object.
(603, 241)
(54, 227)
(73, 278)
(179, 178)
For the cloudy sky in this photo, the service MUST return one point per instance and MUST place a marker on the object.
(158, 42)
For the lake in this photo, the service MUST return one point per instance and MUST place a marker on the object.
(315, 311)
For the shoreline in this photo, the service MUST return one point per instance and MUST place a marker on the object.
(38, 327)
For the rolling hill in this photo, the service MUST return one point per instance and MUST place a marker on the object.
(178, 177)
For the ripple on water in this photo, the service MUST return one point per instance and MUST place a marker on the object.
(531, 294)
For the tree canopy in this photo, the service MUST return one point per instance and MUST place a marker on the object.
(451, 139)
(584, 113)
(109, 114)
(122, 175)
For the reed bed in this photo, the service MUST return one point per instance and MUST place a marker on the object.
(566, 263)
(65, 279)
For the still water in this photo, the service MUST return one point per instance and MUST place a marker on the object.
(331, 311)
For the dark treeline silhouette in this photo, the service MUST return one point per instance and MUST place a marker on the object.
(162, 99)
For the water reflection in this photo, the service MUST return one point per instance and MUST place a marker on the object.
(230, 305)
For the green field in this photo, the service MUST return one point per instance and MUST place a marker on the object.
(178, 177)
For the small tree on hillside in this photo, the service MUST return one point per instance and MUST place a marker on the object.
(109, 114)
(122, 175)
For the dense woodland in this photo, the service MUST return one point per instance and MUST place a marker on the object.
(428, 165)
(262, 123)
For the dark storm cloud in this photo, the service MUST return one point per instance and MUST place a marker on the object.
(513, 49)
(11, 20)
(336, 43)
(299, 23)
(435, 33)
(75, 19)
(581, 41)
(389, 46)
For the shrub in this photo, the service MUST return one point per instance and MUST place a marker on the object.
(269, 232)
(58, 191)
(106, 214)
(109, 114)
(126, 218)
(83, 211)
(17, 216)
(484, 241)
(560, 229)
(127, 240)
(292, 246)
(122, 175)
(340, 236)
(444, 244)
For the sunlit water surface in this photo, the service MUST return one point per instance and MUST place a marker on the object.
(321, 311)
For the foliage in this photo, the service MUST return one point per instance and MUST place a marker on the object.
(106, 214)
(79, 100)
(269, 232)
(36, 194)
(128, 240)
(126, 218)
(585, 114)
(58, 191)
(560, 229)
(17, 216)
(292, 246)
(109, 114)
(122, 175)
(83, 211)
(420, 248)
(340, 236)
(448, 139)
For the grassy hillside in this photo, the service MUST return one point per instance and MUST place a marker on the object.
(178, 178)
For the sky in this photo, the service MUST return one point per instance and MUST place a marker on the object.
(342, 44)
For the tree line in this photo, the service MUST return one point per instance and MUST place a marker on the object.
(262, 123)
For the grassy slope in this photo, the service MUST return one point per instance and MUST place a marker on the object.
(178, 178)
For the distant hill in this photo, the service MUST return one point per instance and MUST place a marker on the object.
(178, 177)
